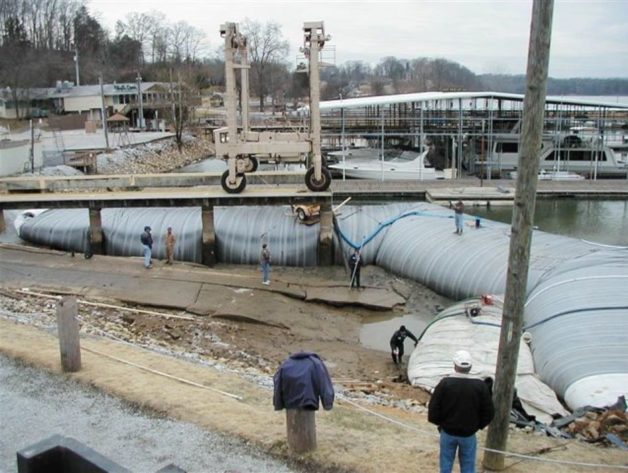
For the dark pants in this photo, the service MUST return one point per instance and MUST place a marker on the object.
(399, 355)
(355, 277)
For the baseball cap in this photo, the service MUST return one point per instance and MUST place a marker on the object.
(462, 359)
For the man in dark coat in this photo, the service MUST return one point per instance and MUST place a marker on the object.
(396, 343)
(355, 263)
(460, 406)
(147, 242)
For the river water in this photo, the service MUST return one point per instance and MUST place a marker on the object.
(600, 221)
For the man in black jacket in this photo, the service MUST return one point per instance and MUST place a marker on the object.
(396, 343)
(147, 243)
(460, 406)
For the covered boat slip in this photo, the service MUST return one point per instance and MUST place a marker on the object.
(464, 128)
(577, 311)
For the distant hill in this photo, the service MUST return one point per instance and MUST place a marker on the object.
(578, 86)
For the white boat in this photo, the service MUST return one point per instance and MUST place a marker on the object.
(406, 165)
(573, 153)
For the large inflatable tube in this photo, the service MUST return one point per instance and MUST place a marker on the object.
(576, 309)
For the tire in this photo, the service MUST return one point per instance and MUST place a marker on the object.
(301, 214)
(251, 164)
(233, 188)
(318, 186)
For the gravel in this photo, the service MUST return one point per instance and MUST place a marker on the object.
(36, 405)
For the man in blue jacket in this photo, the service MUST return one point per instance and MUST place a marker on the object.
(300, 381)
(460, 406)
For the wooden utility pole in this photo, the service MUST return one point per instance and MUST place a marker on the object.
(103, 111)
(69, 339)
(301, 430)
(521, 230)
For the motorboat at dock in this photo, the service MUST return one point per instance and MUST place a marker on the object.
(392, 165)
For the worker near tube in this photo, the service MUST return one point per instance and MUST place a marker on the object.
(170, 241)
(355, 263)
(147, 243)
(264, 260)
(460, 406)
(397, 341)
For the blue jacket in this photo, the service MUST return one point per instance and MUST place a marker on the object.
(300, 381)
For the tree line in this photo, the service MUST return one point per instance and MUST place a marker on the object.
(40, 39)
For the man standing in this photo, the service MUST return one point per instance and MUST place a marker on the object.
(170, 241)
(396, 343)
(264, 260)
(355, 263)
(147, 243)
(459, 217)
(460, 406)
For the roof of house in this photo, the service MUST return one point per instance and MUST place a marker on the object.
(108, 89)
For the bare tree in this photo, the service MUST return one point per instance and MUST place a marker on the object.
(138, 27)
(266, 47)
(15, 61)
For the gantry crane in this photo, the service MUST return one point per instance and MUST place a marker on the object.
(239, 145)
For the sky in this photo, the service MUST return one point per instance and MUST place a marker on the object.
(589, 37)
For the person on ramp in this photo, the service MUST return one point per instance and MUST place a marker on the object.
(396, 343)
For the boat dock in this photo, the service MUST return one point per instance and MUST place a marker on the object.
(474, 190)
(117, 188)
(202, 190)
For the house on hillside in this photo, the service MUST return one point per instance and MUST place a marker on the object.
(155, 101)
(31, 103)
(153, 105)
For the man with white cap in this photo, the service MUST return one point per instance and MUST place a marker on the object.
(460, 406)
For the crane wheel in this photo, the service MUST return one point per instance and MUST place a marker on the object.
(318, 186)
(251, 164)
(233, 187)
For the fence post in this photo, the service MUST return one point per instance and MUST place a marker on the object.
(69, 342)
(301, 428)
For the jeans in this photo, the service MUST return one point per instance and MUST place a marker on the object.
(148, 254)
(466, 452)
(459, 219)
(265, 270)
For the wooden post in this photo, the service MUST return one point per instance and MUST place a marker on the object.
(301, 428)
(521, 235)
(69, 341)
(208, 236)
(95, 232)
(3, 225)
(325, 238)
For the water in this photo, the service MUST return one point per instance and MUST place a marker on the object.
(600, 221)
